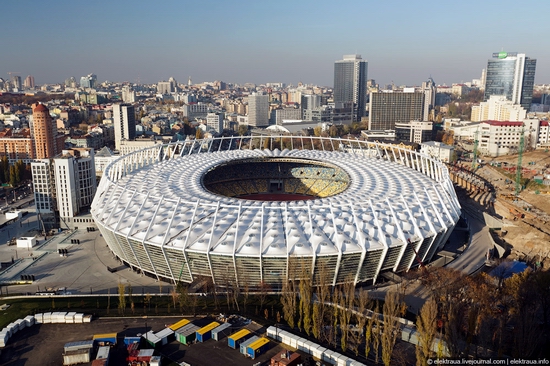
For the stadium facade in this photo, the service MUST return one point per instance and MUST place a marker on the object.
(226, 209)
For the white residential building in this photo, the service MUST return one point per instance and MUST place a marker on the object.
(215, 121)
(437, 150)
(496, 138)
(65, 184)
(498, 108)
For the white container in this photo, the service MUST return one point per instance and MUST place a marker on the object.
(327, 356)
(47, 318)
(103, 352)
(155, 361)
(309, 346)
(61, 317)
(300, 344)
(69, 317)
(87, 319)
(21, 323)
(73, 346)
(76, 356)
(38, 318)
(29, 320)
(317, 352)
(79, 318)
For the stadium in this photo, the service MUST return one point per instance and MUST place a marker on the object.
(262, 210)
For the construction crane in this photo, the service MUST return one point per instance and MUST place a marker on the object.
(520, 157)
(474, 158)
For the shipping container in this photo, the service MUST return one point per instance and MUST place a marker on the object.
(69, 317)
(78, 318)
(145, 355)
(87, 318)
(221, 331)
(205, 333)
(155, 361)
(242, 347)
(47, 318)
(72, 346)
(257, 348)
(29, 320)
(186, 335)
(166, 335)
(38, 318)
(237, 338)
(152, 339)
(76, 356)
(318, 352)
(131, 340)
(300, 344)
(105, 339)
(179, 324)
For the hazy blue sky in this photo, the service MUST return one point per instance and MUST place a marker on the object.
(404, 41)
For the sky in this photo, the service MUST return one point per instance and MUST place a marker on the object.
(258, 41)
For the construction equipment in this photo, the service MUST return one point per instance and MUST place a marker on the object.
(474, 158)
(520, 157)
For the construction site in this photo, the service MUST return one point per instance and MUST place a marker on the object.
(515, 191)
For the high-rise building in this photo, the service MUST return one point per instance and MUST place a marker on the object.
(258, 110)
(88, 81)
(310, 101)
(29, 82)
(511, 74)
(124, 121)
(66, 184)
(350, 83)
(429, 89)
(389, 107)
(16, 82)
(44, 132)
(128, 95)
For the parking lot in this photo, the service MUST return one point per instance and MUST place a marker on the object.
(42, 345)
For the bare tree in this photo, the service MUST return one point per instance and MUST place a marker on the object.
(121, 298)
(288, 300)
(263, 292)
(393, 309)
(346, 300)
(362, 302)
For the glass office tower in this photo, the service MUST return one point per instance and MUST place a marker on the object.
(350, 83)
(512, 75)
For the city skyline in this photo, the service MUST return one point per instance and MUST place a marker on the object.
(259, 42)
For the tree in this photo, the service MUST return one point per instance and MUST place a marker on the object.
(426, 325)
(393, 309)
(346, 299)
(242, 130)
(121, 298)
(305, 300)
(263, 291)
(369, 330)
(288, 300)
(360, 318)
